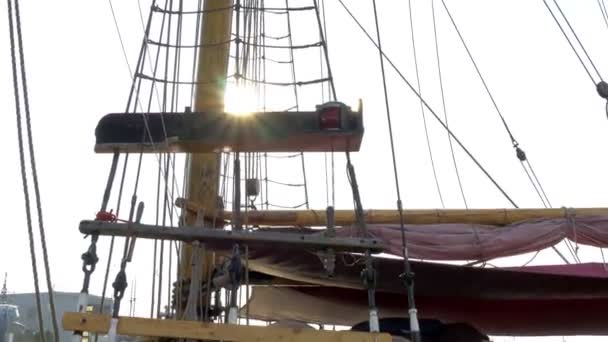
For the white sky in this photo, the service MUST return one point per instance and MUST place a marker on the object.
(77, 73)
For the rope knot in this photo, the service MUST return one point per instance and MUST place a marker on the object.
(570, 215)
(105, 216)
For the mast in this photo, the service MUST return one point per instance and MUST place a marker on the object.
(203, 169)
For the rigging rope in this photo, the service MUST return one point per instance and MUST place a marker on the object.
(90, 258)
(330, 78)
(198, 12)
(122, 45)
(426, 105)
(331, 91)
(525, 163)
(135, 90)
(143, 26)
(445, 112)
(518, 151)
(138, 76)
(483, 81)
(323, 97)
(408, 275)
(155, 253)
(32, 163)
(162, 243)
(195, 53)
(168, 86)
(250, 59)
(23, 172)
(577, 39)
(153, 91)
(295, 90)
(426, 130)
(520, 154)
(600, 85)
(37, 196)
(604, 12)
(112, 239)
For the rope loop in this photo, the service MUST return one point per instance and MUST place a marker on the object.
(570, 215)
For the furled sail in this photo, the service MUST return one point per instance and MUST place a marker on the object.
(463, 241)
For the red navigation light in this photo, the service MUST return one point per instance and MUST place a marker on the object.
(330, 118)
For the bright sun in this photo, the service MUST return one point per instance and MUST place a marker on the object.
(240, 100)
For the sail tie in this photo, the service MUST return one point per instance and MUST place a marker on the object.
(570, 216)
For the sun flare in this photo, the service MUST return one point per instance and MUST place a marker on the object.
(240, 101)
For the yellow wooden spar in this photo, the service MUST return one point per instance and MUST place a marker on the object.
(495, 217)
(145, 327)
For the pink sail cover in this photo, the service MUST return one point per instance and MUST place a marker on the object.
(482, 242)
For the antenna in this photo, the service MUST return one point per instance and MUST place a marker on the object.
(4, 293)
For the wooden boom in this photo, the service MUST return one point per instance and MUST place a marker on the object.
(130, 326)
(494, 217)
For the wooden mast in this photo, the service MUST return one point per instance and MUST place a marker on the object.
(204, 169)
